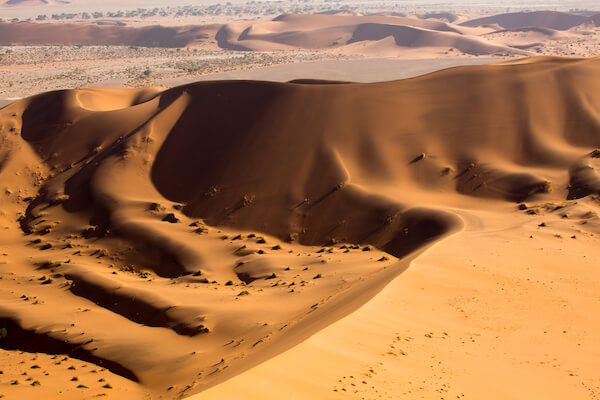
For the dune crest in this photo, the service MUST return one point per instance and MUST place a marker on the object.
(233, 219)
(542, 19)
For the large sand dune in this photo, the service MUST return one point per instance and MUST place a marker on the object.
(177, 237)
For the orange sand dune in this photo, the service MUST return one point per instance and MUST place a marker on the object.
(177, 237)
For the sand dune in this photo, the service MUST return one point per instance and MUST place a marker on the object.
(502, 301)
(527, 38)
(543, 19)
(414, 37)
(543, 31)
(31, 3)
(177, 237)
(342, 33)
(28, 34)
(444, 16)
(335, 31)
(259, 38)
(285, 32)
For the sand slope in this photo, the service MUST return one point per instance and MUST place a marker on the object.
(504, 301)
(106, 259)
(286, 32)
(29, 34)
(31, 3)
(543, 19)
(337, 33)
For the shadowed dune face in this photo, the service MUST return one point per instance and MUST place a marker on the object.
(142, 202)
(413, 37)
(543, 19)
(524, 124)
(337, 31)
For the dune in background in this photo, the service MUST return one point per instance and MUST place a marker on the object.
(333, 31)
(136, 52)
(543, 19)
(177, 237)
(346, 33)
(30, 34)
(31, 3)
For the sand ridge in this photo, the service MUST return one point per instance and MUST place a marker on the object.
(285, 32)
(136, 218)
(543, 19)
(333, 34)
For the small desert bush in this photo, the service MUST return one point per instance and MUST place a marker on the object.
(546, 187)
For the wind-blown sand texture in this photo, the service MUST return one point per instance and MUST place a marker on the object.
(177, 237)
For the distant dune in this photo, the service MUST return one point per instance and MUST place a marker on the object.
(405, 36)
(177, 237)
(343, 32)
(535, 29)
(285, 32)
(31, 3)
(543, 19)
(446, 16)
(321, 32)
(72, 34)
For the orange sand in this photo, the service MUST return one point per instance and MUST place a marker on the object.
(179, 237)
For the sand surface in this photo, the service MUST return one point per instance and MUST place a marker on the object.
(355, 70)
(340, 32)
(333, 205)
(64, 53)
(152, 238)
(513, 317)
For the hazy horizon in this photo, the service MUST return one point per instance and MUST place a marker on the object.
(409, 7)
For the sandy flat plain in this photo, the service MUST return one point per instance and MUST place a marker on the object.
(309, 206)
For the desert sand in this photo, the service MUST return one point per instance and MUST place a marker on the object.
(354, 34)
(333, 205)
(157, 244)
(39, 56)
